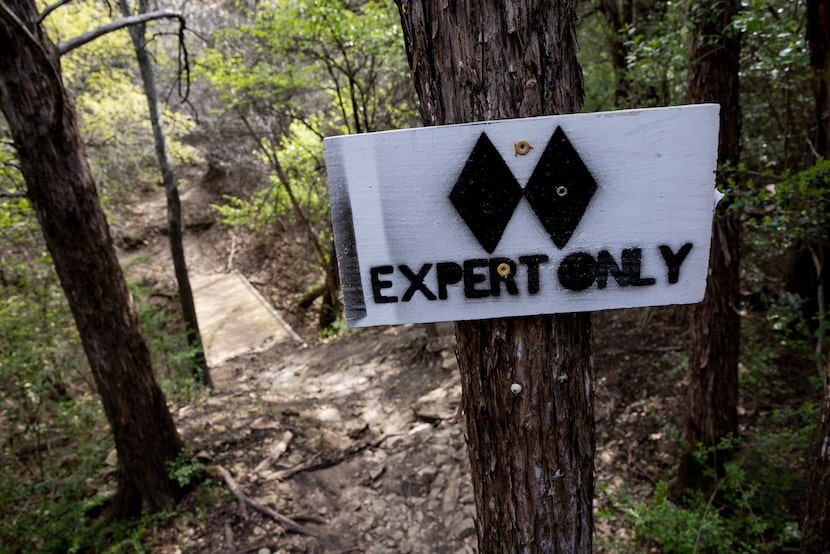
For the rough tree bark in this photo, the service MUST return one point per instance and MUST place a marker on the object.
(815, 533)
(818, 39)
(531, 454)
(712, 415)
(59, 185)
(171, 188)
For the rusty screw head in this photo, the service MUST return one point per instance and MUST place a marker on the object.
(522, 147)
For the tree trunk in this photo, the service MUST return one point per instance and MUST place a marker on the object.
(330, 309)
(531, 453)
(713, 360)
(815, 534)
(620, 17)
(618, 49)
(171, 188)
(52, 159)
(818, 38)
(815, 531)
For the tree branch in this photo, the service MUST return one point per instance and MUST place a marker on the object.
(12, 194)
(50, 8)
(80, 40)
(287, 523)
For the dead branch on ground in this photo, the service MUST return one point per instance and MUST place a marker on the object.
(329, 458)
(275, 452)
(287, 523)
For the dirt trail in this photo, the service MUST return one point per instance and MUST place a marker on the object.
(373, 413)
(377, 407)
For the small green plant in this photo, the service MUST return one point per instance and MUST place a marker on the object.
(173, 358)
(337, 327)
(185, 469)
(746, 511)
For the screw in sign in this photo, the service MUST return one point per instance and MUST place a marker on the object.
(521, 217)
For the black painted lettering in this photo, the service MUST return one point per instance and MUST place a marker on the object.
(471, 278)
(631, 263)
(532, 263)
(498, 277)
(627, 275)
(379, 284)
(416, 282)
(577, 271)
(607, 264)
(674, 261)
(448, 273)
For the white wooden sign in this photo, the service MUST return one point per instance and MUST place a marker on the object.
(527, 216)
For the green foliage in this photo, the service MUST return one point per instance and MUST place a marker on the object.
(53, 434)
(788, 229)
(301, 157)
(185, 469)
(762, 341)
(40, 351)
(658, 58)
(299, 71)
(52, 426)
(776, 96)
(103, 77)
(748, 511)
(59, 516)
(11, 180)
(792, 206)
(595, 59)
(172, 355)
(338, 327)
(297, 58)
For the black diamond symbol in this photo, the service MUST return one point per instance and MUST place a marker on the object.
(560, 188)
(486, 194)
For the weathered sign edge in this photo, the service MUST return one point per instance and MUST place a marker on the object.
(345, 244)
(343, 224)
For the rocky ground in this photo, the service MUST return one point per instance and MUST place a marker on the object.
(356, 438)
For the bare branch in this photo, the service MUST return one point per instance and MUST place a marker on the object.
(80, 40)
(12, 194)
(50, 8)
(287, 523)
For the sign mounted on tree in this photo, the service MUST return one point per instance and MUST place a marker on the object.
(520, 217)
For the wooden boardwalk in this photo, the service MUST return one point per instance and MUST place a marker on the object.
(234, 318)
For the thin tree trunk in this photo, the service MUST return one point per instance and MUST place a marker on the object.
(818, 38)
(618, 50)
(815, 533)
(712, 414)
(60, 187)
(171, 188)
(331, 300)
(531, 452)
(330, 308)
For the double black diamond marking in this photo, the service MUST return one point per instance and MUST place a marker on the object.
(559, 190)
(486, 194)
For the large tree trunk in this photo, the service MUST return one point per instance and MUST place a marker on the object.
(171, 188)
(815, 534)
(52, 158)
(531, 454)
(712, 415)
